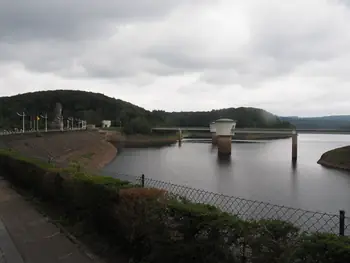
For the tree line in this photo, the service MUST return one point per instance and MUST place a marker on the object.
(95, 107)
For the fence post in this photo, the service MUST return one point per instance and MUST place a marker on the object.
(341, 223)
(143, 180)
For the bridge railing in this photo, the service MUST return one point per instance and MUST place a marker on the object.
(310, 221)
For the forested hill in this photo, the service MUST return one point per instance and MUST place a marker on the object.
(245, 117)
(95, 107)
(325, 122)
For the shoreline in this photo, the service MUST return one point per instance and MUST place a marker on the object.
(333, 166)
(119, 140)
(337, 158)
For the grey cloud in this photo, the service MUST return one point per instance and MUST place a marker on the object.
(201, 47)
(66, 19)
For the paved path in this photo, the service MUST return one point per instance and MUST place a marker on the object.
(35, 239)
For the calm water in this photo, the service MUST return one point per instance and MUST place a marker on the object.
(260, 171)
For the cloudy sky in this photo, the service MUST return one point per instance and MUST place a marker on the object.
(288, 57)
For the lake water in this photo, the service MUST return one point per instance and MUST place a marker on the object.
(258, 171)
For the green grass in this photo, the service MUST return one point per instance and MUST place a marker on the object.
(15, 154)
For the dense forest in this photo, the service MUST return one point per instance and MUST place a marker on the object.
(325, 122)
(95, 107)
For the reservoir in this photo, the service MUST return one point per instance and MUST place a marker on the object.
(257, 170)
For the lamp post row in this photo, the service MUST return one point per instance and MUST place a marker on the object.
(70, 121)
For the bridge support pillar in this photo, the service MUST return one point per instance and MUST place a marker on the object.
(213, 133)
(214, 138)
(224, 135)
(179, 136)
(224, 145)
(294, 146)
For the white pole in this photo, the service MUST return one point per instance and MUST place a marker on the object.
(23, 121)
(45, 117)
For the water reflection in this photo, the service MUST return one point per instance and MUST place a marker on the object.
(224, 160)
(294, 166)
(260, 171)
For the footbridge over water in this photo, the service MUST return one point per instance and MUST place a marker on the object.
(215, 137)
(258, 130)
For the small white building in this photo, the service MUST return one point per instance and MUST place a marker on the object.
(106, 123)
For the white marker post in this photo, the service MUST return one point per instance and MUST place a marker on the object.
(45, 117)
(23, 123)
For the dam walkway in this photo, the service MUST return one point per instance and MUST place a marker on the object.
(27, 236)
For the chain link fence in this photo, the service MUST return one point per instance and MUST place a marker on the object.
(309, 221)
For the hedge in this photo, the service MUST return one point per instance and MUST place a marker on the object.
(155, 227)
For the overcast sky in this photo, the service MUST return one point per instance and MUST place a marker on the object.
(288, 57)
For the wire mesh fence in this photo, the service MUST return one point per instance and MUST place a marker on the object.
(309, 221)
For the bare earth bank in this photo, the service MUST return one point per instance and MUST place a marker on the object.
(338, 158)
(89, 148)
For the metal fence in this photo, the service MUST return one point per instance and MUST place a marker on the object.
(310, 221)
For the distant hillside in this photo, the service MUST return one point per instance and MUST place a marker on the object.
(95, 107)
(245, 117)
(325, 122)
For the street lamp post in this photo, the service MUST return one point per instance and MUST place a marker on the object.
(30, 123)
(23, 124)
(71, 120)
(37, 122)
(45, 117)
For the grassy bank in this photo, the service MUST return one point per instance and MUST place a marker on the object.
(338, 158)
(153, 226)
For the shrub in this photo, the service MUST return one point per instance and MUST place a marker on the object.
(322, 248)
(199, 233)
(139, 217)
(271, 241)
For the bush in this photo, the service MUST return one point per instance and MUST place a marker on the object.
(140, 219)
(322, 248)
(198, 233)
(155, 226)
(271, 241)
